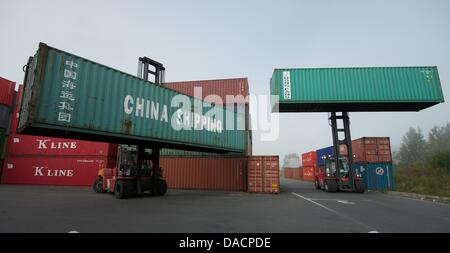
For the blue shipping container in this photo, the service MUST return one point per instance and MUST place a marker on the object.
(377, 176)
(323, 152)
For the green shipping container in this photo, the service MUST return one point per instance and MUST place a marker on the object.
(187, 153)
(72, 97)
(355, 89)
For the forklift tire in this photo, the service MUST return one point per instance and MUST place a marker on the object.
(359, 187)
(120, 189)
(330, 186)
(98, 186)
(162, 187)
(316, 184)
(129, 189)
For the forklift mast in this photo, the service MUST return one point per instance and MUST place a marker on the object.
(144, 70)
(158, 72)
(347, 141)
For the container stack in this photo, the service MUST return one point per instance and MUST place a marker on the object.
(309, 162)
(55, 161)
(208, 171)
(371, 157)
(231, 93)
(7, 96)
(292, 166)
(39, 160)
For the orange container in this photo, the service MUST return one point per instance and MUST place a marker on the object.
(205, 173)
(263, 174)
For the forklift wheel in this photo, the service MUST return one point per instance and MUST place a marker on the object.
(162, 187)
(330, 186)
(359, 187)
(98, 186)
(120, 190)
(129, 188)
(316, 184)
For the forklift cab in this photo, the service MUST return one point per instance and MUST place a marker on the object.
(346, 179)
(330, 167)
(126, 163)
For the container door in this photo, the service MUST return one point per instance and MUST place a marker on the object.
(377, 177)
(255, 182)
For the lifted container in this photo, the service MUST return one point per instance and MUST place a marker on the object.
(72, 97)
(356, 89)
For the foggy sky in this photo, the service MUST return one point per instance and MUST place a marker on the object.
(197, 40)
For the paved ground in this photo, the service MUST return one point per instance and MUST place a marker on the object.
(298, 208)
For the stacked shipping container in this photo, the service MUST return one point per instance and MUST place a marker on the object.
(309, 165)
(372, 157)
(53, 161)
(372, 150)
(208, 171)
(6, 106)
(231, 93)
(7, 91)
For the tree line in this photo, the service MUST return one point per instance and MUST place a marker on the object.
(435, 149)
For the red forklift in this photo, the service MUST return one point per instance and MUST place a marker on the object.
(330, 180)
(136, 172)
(339, 174)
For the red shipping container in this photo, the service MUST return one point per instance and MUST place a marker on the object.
(308, 173)
(15, 116)
(205, 173)
(372, 150)
(292, 173)
(67, 171)
(309, 158)
(6, 91)
(287, 172)
(19, 145)
(263, 174)
(221, 88)
(297, 174)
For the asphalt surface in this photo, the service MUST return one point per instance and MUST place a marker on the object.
(299, 208)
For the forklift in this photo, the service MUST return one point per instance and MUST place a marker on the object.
(134, 174)
(136, 171)
(339, 174)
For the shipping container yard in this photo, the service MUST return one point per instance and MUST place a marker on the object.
(247, 188)
(244, 121)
